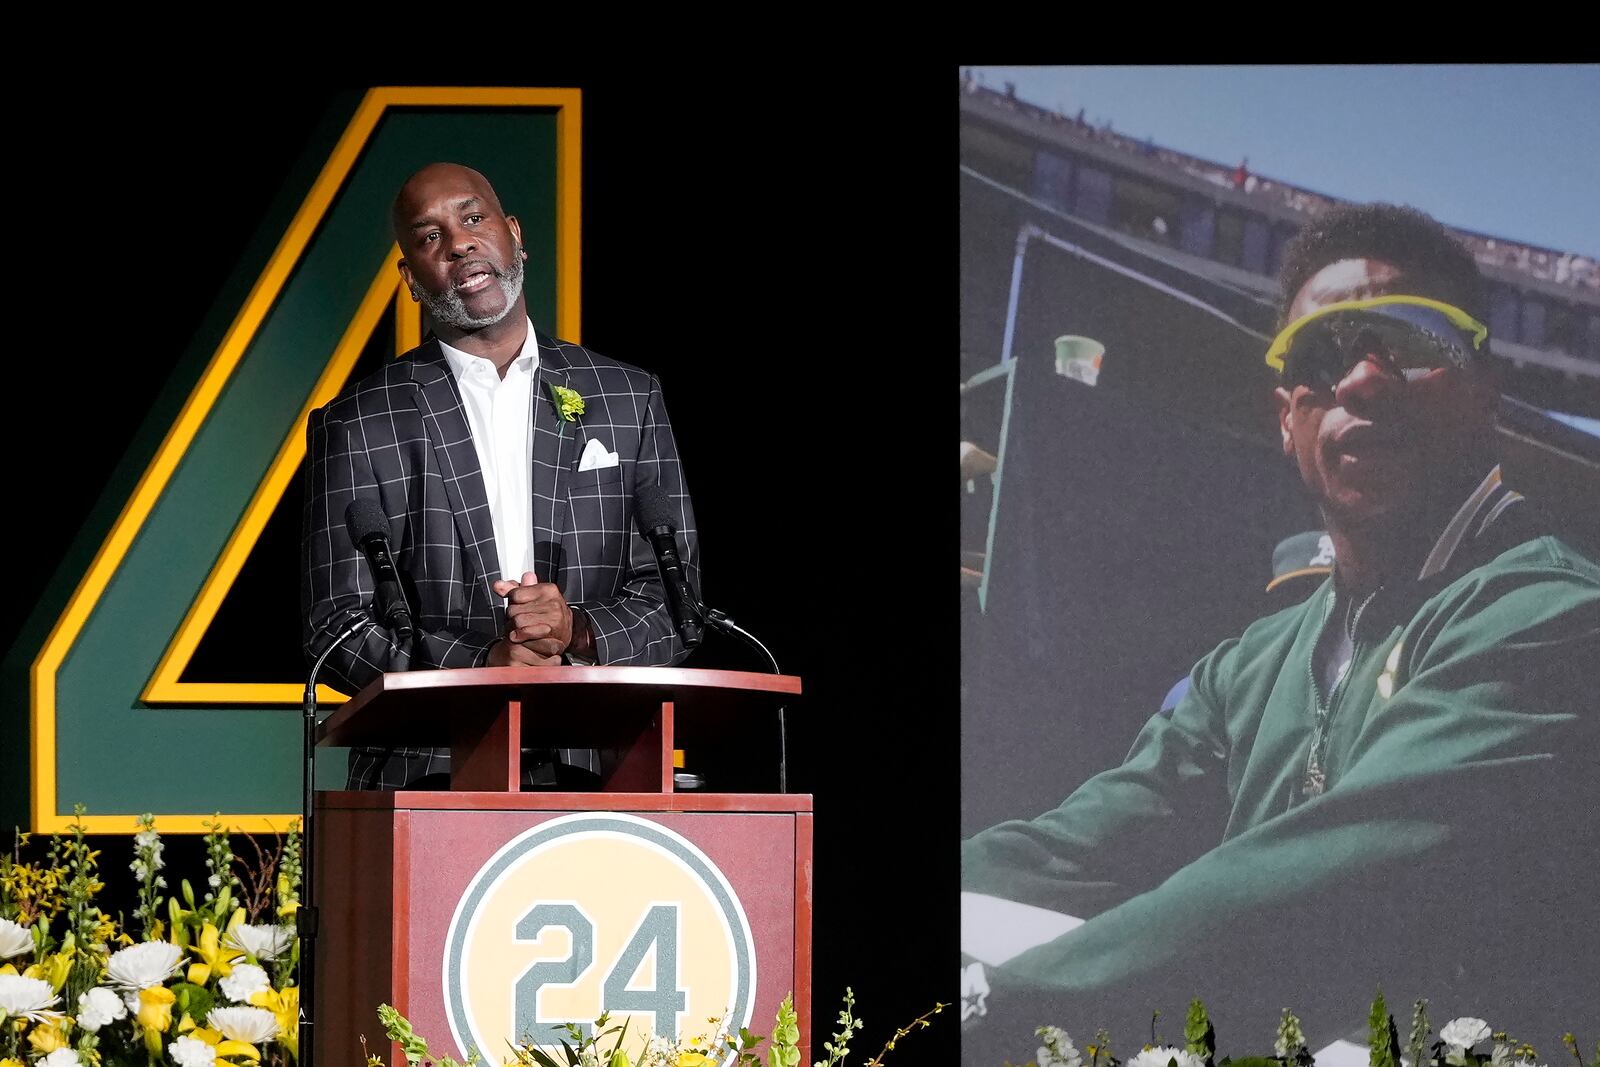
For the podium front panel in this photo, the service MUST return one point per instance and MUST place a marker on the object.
(481, 923)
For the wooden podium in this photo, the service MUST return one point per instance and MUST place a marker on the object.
(485, 913)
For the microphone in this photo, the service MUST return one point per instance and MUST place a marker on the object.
(369, 531)
(653, 511)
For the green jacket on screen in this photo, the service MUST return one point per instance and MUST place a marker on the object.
(1456, 812)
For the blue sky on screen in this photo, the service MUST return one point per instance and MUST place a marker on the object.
(1508, 151)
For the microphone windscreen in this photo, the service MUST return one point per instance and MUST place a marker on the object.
(364, 518)
(652, 508)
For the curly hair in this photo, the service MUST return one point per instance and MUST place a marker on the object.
(1426, 252)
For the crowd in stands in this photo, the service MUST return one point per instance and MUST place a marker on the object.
(1562, 268)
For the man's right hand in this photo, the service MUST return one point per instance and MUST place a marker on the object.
(505, 653)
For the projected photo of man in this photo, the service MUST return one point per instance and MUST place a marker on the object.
(1391, 783)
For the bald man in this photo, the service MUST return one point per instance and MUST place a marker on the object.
(510, 514)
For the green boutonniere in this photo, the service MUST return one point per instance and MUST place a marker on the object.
(569, 402)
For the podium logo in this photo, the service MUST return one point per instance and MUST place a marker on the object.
(592, 912)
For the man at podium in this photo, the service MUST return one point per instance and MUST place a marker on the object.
(505, 462)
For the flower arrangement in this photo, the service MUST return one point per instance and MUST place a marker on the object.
(718, 1045)
(207, 982)
(1453, 1048)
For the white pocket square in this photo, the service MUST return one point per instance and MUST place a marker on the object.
(595, 457)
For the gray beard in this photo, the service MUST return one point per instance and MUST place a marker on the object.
(448, 307)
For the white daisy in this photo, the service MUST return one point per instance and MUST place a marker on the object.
(29, 998)
(252, 1025)
(14, 939)
(141, 966)
(61, 1057)
(1161, 1056)
(264, 942)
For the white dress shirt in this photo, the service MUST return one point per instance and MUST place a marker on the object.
(500, 413)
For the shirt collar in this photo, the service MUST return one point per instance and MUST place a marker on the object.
(1476, 515)
(460, 362)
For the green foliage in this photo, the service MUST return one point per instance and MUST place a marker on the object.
(1383, 1039)
(839, 1047)
(1290, 1045)
(784, 1049)
(146, 866)
(84, 920)
(1100, 1051)
(1417, 1045)
(195, 1001)
(398, 1027)
(222, 884)
(1198, 1035)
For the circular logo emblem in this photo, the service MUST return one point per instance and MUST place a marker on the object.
(592, 912)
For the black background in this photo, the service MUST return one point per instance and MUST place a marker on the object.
(782, 246)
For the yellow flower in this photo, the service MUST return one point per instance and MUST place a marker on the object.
(568, 401)
(692, 1058)
(48, 1037)
(11, 1063)
(285, 1005)
(214, 959)
(155, 1016)
(229, 1053)
(57, 967)
(155, 1008)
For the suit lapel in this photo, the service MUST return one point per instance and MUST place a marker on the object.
(555, 446)
(439, 403)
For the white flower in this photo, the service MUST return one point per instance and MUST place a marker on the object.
(252, 1025)
(143, 965)
(1159, 1057)
(61, 1057)
(246, 979)
(26, 997)
(1461, 1034)
(1057, 1050)
(14, 939)
(98, 1007)
(264, 942)
(191, 1052)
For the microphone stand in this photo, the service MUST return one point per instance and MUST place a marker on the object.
(306, 914)
(722, 621)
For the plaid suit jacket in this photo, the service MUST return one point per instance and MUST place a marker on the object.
(401, 437)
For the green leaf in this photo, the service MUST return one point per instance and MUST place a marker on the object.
(1383, 1038)
(196, 1001)
(1199, 1036)
(542, 1058)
